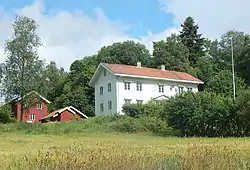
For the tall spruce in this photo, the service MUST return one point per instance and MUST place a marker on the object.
(192, 40)
(22, 68)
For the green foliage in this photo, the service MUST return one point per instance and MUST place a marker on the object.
(127, 52)
(221, 83)
(192, 40)
(5, 114)
(153, 109)
(110, 123)
(201, 114)
(150, 109)
(171, 53)
(22, 69)
(133, 110)
(243, 112)
(74, 90)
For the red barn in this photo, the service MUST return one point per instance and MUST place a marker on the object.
(34, 111)
(64, 114)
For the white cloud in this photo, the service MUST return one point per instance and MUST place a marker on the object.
(68, 36)
(215, 17)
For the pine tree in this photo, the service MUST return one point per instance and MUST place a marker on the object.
(192, 40)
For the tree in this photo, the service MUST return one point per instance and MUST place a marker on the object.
(192, 40)
(127, 52)
(241, 44)
(172, 53)
(243, 112)
(5, 114)
(201, 114)
(22, 68)
(52, 77)
(221, 83)
(75, 89)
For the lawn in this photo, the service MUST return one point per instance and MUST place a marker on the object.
(121, 151)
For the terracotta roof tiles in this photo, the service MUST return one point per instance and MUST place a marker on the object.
(150, 72)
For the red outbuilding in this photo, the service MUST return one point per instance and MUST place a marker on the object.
(64, 114)
(33, 110)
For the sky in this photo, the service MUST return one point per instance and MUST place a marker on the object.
(73, 29)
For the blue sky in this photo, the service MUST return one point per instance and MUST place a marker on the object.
(141, 15)
(68, 35)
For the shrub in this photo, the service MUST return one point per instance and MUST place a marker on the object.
(243, 112)
(107, 123)
(150, 109)
(201, 114)
(133, 110)
(5, 114)
(153, 109)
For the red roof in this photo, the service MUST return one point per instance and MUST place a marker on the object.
(150, 72)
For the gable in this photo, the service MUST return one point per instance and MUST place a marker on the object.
(161, 97)
(70, 109)
(101, 72)
(16, 100)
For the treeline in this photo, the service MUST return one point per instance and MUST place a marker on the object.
(189, 51)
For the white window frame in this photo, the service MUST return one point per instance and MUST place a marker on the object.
(32, 117)
(105, 72)
(101, 107)
(190, 89)
(180, 89)
(39, 104)
(127, 101)
(101, 90)
(109, 104)
(139, 86)
(139, 101)
(161, 88)
(109, 87)
(127, 85)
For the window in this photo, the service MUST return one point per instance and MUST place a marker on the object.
(171, 88)
(127, 85)
(109, 87)
(101, 90)
(161, 88)
(180, 89)
(32, 117)
(104, 72)
(110, 105)
(190, 89)
(101, 107)
(39, 105)
(139, 101)
(139, 86)
(24, 106)
(157, 101)
(127, 101)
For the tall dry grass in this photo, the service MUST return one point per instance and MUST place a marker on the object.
(111, 155)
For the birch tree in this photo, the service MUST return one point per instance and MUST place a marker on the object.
(22, 68)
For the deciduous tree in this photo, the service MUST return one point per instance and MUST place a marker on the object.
(22, 68)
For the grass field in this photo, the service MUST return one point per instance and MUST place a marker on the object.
(121, 151)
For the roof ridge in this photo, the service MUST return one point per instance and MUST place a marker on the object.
(152, 72)
(148, 68)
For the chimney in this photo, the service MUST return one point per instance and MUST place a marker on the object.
(138, 64)
(163, 67)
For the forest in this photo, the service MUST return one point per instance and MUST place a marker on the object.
(213, 112)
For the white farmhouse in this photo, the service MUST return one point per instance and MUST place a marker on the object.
(117, 84)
